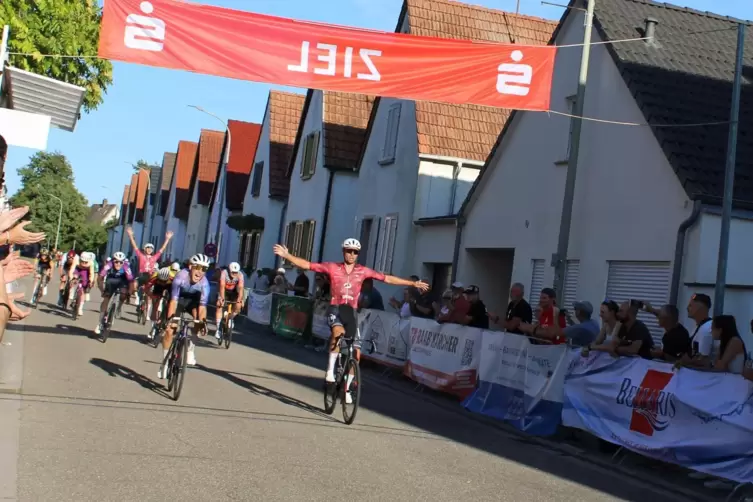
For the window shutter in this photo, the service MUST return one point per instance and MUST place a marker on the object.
(390, 252)
(314, 152)
(309, 243)
(305, 156)
(297, 238)
(255, 250)
(379, 246)
(391, 134)
(256, 184)
(290, 239)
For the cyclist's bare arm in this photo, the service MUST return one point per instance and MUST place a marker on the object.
(283, 253)
(171, 308)
(397, 281)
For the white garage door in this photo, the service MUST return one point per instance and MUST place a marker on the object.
(640, 280)
(537, 282)
(572, 276)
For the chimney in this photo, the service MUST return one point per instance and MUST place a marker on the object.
(650, 29)
(104, 202)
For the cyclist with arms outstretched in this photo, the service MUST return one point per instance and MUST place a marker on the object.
(147, 259)
(346, 279)
(189, 293)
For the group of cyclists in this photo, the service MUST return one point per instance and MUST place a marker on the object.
(186, 288)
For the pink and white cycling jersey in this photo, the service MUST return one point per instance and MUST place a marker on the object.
(147, 262)
(346, 287)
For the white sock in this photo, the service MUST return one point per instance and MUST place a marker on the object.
(332, 361)
(348, 382)
(164, 353)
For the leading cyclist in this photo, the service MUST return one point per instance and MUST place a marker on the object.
(346, 279)
(115, 276)
(43, 264)
(189, 293)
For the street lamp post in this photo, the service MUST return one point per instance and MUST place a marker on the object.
(222, 182)
(60, 218)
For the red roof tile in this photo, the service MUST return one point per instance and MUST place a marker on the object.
(141, 194)
(284, 110)
(467, 131)
(244, 140)
(184, 165)
(124, 204)
(132, 197)
(346, 117)
(207, 163)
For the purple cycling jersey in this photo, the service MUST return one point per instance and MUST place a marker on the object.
(109, 272)
(82, 273)
(182, 287)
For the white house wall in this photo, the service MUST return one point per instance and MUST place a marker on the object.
(341, 223)
(628, 201)
(434, 244)
(307, 197)
(197, 224)
(391, 188)
(176, 226)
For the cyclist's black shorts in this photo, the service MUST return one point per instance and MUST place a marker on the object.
(158, 290)
(188, 304)
(345, 316)
(231, 295)
(143, 278)
(112, 284)
(43, 268)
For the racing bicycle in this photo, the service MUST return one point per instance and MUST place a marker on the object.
(225, 327)
(158, 326)
(143, 312)
(111, 312)
(346, 365)
(39, 290)
(78, 298)
(177, 355)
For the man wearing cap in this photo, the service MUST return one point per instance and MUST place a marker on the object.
(585, 331)
(698, 310)
(477, 316)
(459, 306)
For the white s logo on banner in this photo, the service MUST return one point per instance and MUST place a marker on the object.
(143, 32)
(514, 79)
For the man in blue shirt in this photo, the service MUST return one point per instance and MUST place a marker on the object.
(586, 330)
(189, 293)
(370, 297)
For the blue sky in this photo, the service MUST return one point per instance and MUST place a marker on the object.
(145, 112)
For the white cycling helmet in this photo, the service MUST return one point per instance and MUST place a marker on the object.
(175, 266)
(148, 245)
(119, 256)
(109, 259)
(234, 267)
(163, 274)
(200, 259)
(87, 256)
(352, 244)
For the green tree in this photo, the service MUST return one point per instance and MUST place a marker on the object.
(92, 237)
(141, 164)
(59, 27)
(47, 176)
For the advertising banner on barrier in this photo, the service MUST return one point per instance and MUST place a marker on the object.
(700, 420)
(290, 315)
(520, 383)
(444, 357)
(390, 335)
(260, 308)
(319, 325)
(247, 46)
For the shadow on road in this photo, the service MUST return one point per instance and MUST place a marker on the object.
(68, 329)
(436, 419)
(118, 370)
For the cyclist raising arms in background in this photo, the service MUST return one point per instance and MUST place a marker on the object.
(147, 259)
(346, 279)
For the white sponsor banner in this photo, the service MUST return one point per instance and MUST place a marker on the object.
(260, 307)
(697, 419)
(444, 357)
(389, 333)
(27, 130)
(319, 325)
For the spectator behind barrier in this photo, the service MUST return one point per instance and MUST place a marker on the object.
(301, 286)
(403, 307)
(457, 308)
(322, 288)
(549, 321)
(260, 282)
(610, 326)
(702, 342)
(477, 317)
(422, 305)
(518, 311)
(370, 297)
(634, 338)
(443, 309)
(676, 340)
(732, 356)
(585, 331)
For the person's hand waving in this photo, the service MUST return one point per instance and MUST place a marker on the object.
(15, 268)
(20, 236)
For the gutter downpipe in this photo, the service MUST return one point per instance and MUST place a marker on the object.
(459, 224)
(674, 288)
(283, 215)
(327, 201)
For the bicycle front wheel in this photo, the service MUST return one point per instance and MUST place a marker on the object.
(110, 318)
(179, 368)
(350, 404)
(228, 334)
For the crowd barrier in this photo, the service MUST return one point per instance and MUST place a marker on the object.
(699, 420)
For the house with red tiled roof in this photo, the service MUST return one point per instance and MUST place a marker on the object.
(202, 188)
(161, 198)
(179, 198)
(646, 210)
(266, 194)
(115, 235)
(140, 205)
(323, 174)
(421, 158)
(232, 180)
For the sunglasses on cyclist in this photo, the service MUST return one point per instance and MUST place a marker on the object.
(199, 267)
(115, 262)
(351, 251)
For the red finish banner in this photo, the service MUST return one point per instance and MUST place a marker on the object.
(246, 46)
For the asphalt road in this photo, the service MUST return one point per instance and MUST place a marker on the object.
(93, 423)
